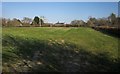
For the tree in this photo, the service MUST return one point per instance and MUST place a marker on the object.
(92, 22)
(112, 19)
(77, 23)
(27, 20)
(118, 22)
(19, 21)
(41, 22)
(89, 23)
(36, 21)
(4, 22)
(42, 19)
(10, 23)
(102, 22)
(7, 22)
(15, 22)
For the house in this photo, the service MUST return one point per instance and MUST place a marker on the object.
(59, 23)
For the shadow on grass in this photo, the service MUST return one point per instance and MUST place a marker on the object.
(47, 56)
(117, 35)
(112, 32)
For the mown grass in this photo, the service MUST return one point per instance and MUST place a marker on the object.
(58, 49)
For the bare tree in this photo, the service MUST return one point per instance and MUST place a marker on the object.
(27, 20)
(77, 23)
(42, 19)
(113, 19)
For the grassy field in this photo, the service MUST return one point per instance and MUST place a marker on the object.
(58, 49)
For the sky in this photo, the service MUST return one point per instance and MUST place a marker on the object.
(59, 0)
(59, 11)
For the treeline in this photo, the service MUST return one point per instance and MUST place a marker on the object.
(111, 21)
(25, 22)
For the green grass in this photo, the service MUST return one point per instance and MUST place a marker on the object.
(58, 49)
